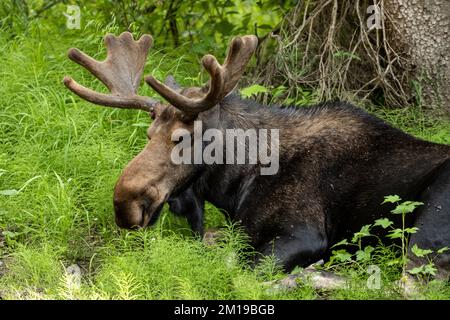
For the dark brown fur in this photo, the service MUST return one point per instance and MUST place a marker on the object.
(336, 165)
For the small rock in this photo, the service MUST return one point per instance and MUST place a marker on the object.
(324, 280)
(409, 287)
(74, 270)
(2, 268)
(2, 239)
(73, 276)
(211, 236)
(319, 279)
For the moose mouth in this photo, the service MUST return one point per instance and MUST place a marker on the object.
(154, 217)
(150, 214)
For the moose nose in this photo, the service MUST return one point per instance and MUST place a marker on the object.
(128, 215)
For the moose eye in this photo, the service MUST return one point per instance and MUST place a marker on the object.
(152, 114)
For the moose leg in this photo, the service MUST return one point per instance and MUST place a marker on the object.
(303, 246)
(189, 205)
(433, 221)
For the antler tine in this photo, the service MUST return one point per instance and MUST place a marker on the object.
(121, 72)
(223, 78)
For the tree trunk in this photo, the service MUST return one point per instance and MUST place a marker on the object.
(422, 28)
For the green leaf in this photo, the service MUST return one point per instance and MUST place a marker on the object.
(430, 269)
(228, 3)
(395, 261)
(278, 91)
(384, 223)
(9, 234)
(253, 90)
(420, 252)
(364, 255)
(427, 269)
(340, 243)
(442, 250)
(395, 234)
(342, 255)
(345, 54)
(391, 199)
(417, 270)
(297, 270)
(369, 249)
(265, 27)
(406, 207)
(364, 232)
(289, 101)
(224, 27)
(140, 124)
(411, 230)
(11, 192)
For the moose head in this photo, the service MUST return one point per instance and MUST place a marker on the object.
(151, 177)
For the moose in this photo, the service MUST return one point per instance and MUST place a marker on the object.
(336, 161)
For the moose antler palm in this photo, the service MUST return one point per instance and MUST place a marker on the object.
(122, 70)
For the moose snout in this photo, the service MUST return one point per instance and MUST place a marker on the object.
(129, 215)
(137, 198)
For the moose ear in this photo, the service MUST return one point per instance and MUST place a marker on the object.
(172, 83)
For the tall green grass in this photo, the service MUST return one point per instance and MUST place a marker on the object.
(59, 160)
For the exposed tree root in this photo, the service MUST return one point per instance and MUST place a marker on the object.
(328, 47)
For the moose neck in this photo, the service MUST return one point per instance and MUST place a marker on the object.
(227, 185)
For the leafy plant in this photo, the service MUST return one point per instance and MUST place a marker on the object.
(402, 233)
(253, 90)
(346, 54)
(427, 269)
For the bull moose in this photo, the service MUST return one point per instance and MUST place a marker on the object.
(336, 162)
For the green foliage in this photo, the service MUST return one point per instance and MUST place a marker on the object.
(442, 250)
(364, 232)
(253, 90)
(340, 255)
(204, 24)
(345, 54)
(406, 207)
(426, 269)
(383, 222)
(365, 254)
(420, 252)
(276, 95)
(391, 199)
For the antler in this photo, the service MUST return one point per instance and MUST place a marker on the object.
(223, 77)
(121, 72)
